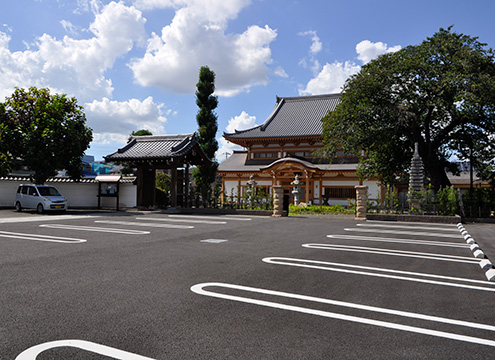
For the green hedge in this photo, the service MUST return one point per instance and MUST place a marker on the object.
(319, 210)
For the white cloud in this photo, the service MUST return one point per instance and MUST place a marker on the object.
(279, 71)
(333, 76)
(196, 37)
(241, 122)
(115, 120)
(69, 27)
(72, 66)
(316, 44)
(154, 4)
(368, 50)
(330, 79)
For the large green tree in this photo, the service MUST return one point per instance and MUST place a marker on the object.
(45, 132)
(207, 129)
(440, 94)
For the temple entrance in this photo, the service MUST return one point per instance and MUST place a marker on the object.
(171, 152)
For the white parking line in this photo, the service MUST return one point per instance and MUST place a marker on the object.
(214, 241)
(454, 228)
(381, 251)
(46, 238)
(199, 289)
(395, 240)
(214, 217)
(381, 231)
(96, 229)
(410, 223)
(170, 226)
(323, 265)
(192, 221)
(45, 218)
(33, 352)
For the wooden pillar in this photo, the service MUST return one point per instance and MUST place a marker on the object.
(321, 192)
(239, 190)
(306, 196)
(173, 188)
(186, 184)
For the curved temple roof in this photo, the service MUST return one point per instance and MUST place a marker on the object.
(163, 147)
(291, 117)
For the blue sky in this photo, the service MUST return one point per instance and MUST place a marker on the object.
(134, 64)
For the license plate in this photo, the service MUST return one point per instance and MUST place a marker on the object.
(58, 206)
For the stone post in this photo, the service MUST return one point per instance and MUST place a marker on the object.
(278, 200)
(361, 199)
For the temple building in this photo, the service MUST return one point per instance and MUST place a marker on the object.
(287, 144)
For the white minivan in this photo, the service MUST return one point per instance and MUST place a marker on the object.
(39, 197)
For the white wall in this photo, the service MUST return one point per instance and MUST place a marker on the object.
(79, 195)
(230, 188)
(374, 190)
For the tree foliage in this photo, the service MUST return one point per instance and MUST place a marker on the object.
(207, 128)
(44, 132)
(142, 132)
(440, 94)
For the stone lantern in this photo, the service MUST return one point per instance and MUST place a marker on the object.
(297, 189)
(416, 181)
(251, 189)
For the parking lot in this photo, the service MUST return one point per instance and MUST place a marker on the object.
(160, 286)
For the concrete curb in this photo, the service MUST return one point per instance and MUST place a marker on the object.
(485, 264)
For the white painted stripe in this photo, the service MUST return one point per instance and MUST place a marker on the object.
(192, 221)
(213, 217)
(410, 223)
(199, 289)
(214, 241)
(170, 226)
(33, 352)
(45, 218)
(35, 237)
(413, 233)
(322, 265)
(454, 229)
(97, 229)
(395, 240)
(413, 254)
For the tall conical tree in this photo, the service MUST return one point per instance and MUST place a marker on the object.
(207, 129)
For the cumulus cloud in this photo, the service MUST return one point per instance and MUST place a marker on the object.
(368, 50)
(154, 4)
(198, 36)
(73, 66)
(332, 77)
(115, 120)
(279, 71)
(316, 46)
(241, 122)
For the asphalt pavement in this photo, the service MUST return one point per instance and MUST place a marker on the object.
(158, 286)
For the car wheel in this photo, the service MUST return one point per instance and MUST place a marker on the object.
(39, 209)
(18, 206)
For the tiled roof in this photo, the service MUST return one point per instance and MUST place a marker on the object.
(154, 147)
(26, 179)
(238, 162)
(292, 117)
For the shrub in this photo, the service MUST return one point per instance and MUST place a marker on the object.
(319, 210)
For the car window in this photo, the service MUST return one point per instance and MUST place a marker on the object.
(19, 189)
(24, 190)
(48, 191)
(32, 191)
